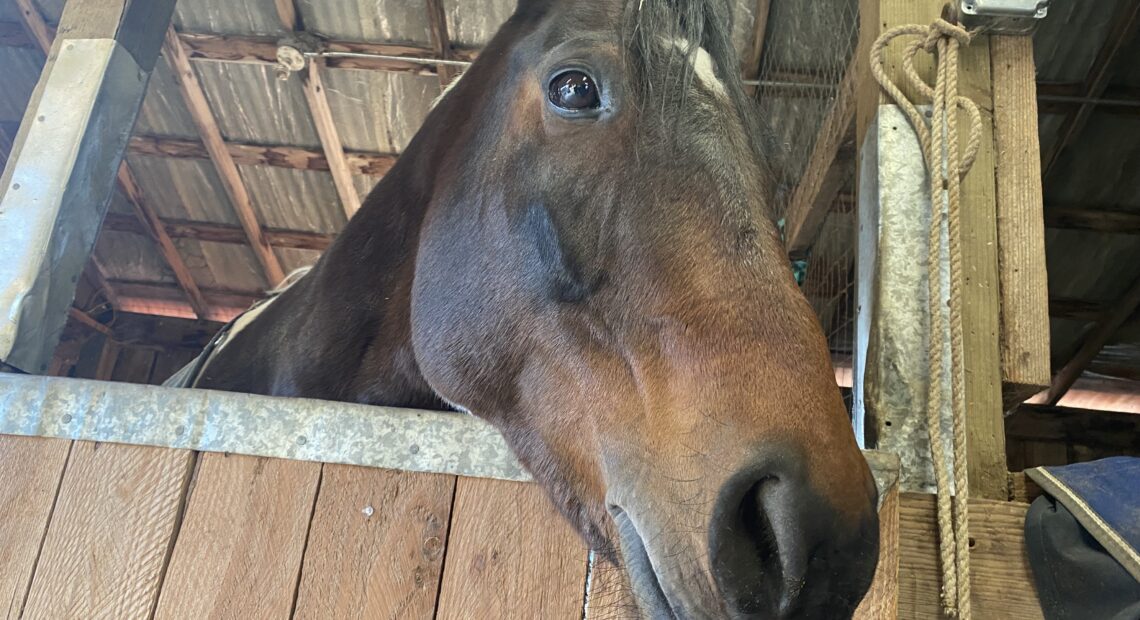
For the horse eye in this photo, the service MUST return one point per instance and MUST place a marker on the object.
(574, 91)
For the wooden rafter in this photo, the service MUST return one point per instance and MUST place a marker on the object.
(211, 135)
(295, 157)
(35, 25)
(153, 225)
(822, 179)
(43, 35)
(1101, 333)
(440, 39)
(754, 57)
(165, 300)
(220, 233)
(1126, 24)
(322, 117)
(330, 139)
(1093, 219)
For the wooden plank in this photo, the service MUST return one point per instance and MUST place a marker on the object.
(44, 36)
(1000, 580)
(1092, 219)
(510, 555)
(221, 300)
(211, 135)
(85, 319)
(221, 233)
(239, 551)
(295, 157)
(981, 300)
(149, 219)
(1126, 22)
(109, 42)
(1101, 333)
(330, 139)
(111, 532)
(882, 601)
(754, 58)
(440, 40)
(31, 468)
(1119, 432)
(286, 14)
(35, 25)
(108, 357)
(819, 184)
(1022, 489)
(1024, 325)
(376, 544)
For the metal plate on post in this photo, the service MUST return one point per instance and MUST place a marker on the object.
(1002, 16)
(56, 189)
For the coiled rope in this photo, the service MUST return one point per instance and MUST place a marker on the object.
(946, 167)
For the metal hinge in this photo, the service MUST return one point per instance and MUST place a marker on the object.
(1002, 16)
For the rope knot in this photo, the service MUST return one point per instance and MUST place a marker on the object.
(942, 29)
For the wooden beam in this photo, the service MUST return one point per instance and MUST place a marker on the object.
(297, 158)
(822, 180)
(1024, 328)
(322, 117)
(221, 233)
(126, 179)
(260, 49)
(1093, 219)
(440, 40)
(166, 300)
(1125, 25)
(1001, 580)
(35, 25)
(211, 135)
(330, 139)
(85, 319)
(1108, 325)
(74, 130)
(155, 230)
(1100, 429)
(286, 14)
(754, 58)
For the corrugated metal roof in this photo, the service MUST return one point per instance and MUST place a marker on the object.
(367, 20)
(228, 17)
(377, 111)
(21, 67)
(252, 105)
(1068, 40)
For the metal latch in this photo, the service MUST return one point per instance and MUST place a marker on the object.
(1002, 16)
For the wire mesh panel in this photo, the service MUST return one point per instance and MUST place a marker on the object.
(806, 93)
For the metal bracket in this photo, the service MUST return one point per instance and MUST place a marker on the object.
(1002, 16)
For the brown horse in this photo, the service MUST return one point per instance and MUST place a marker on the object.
(576, 246)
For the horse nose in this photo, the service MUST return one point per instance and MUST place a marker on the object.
(778, 550)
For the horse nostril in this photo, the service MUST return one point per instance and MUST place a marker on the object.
(752, 549)
(778, 549)
(758, 540)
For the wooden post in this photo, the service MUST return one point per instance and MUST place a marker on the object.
(1020, 223)
(58, 182)
(880, 341)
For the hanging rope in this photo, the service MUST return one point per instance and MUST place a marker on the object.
(946, 167)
